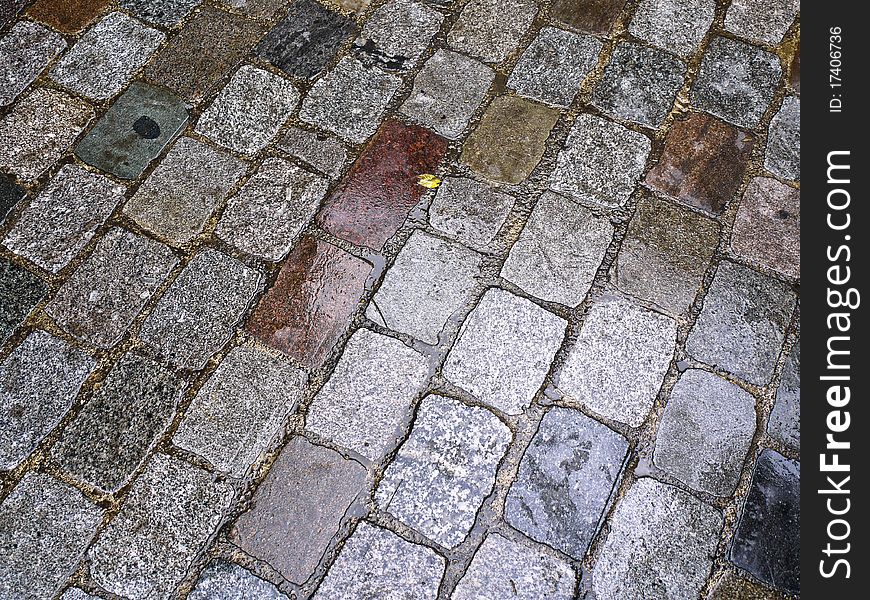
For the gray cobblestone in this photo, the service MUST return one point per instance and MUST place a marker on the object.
(20, 292)
(398, 32)
(675, 25)
(489, 29)
(326, 154)
(783, 154)
(761, 21)
(226, 581)
(470, 211)
(25, 51)
(785, 418)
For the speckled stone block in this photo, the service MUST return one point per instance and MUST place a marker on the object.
(298, 508)
(565, 481)
(109, 439)
(447, 92)
(554, 65)
(510, 139)
(66, 16)
(235, 415)
(767, 540)
(590, 16)
(767, 226)
(504, 350)
(469, 211)
(197, 315)
(100, 300)
(559, 251)
(398, 32)
(736, 81)
(430, 280)
(660, 545)
(374, 560)
(742, 325)
(160, 12)
(705, 432)
(664, 254)
(506, 569)
(77, 594)
(20, 292)
(785, 418)
(180, 195)
(639, 84)
(249, 111)
(761, 21)
(619, 360)
(10, 194)
(444, 470)
(601, 162)
(270, 211)
(25, 51)
(168, 516)
(324, 153)
(45, 525)
(227, 581)
(369, 395)
(491, 29)
(675, 25)
(118, 44)
(39, 129)
(38, 383)
(783, 154)
(134, 131)
(349, 100)
(61, 220)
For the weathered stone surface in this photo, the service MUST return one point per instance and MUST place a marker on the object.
(554, 65)
(736, 587)
(160, 12)
(134, 131)
(324, 153)
(77, 594)
(591, 16)
(768, 224)
(767, 541)
(119, 425)
(118, 44)
(62, 219)
(665, 253)
(38, 383)
(208, 47)
(469, 211)
(398, 32)
(317, 291)
(67, 16)
(180, 195)
(601, 162)
(45, 525)
(660, 545)
(100, 300)
(447, 92)
(509, 142)
(736, 81)
(565, 481)
(197, 314)
(430, 280)
(20, 291)
(349, 100)
(504, 350)
(166, 519)
(675, 25)
(794, 69)
(39, 129)
(270, 211)
(256, 8)
(761, 21)
(249, 111)
(375, 561)
(444, 470)
(374, 199)
(785, 418)
(10, 194)
(226, 581)
(703, 162)
(559, 251)
(238, 411)
(25, 51)
(297, 509)
(369, 395)
(742, 326)
(491, 29)
(705, 432)
(619, 360)
(783, 154)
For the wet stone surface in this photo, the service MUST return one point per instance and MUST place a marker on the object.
(783, 154)
(675, 25)
(590, 16)
(226, 581)
(742, 587)
(20, 292)
(767, 226)
(10, 194)
(767, 541)
(491, 29)
(742, 325)
(565, 481)
(760, 20)
(444, 470)
(291, 522)
(785, 418)
(469, 211)
(160, 12)
(504, 350)
(66, 16)
(25, 51)
(398, 32)
(324, 153)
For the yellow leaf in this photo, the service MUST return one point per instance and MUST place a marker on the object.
(428, 180)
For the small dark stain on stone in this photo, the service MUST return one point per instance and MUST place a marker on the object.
(783, 214)
(147, 128)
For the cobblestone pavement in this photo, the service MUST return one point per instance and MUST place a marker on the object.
(247, 353)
